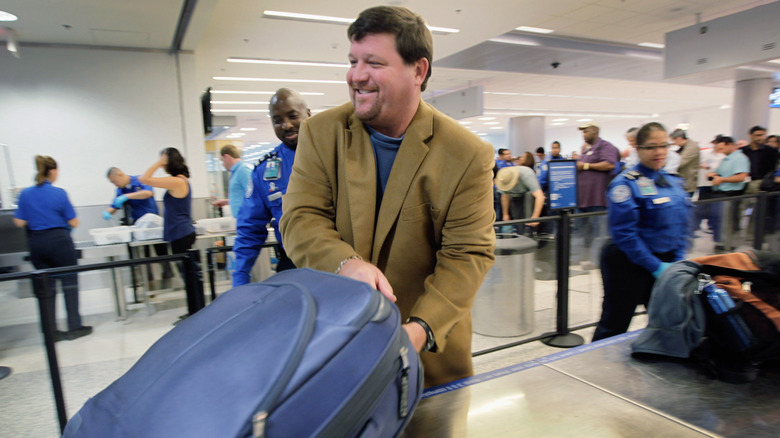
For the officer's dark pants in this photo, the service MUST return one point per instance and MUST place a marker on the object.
(54, 248)
(626, 285)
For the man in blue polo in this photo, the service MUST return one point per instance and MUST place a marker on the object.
(263, 198)
(240, 174)
(727, 180)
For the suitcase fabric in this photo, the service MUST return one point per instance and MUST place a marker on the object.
(305, 353)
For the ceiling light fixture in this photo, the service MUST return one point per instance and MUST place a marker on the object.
(337, 20)
(514, 40)
(237, 102)
(276, 62)
(774, 61)
(7, 16)
(652, 45)
(303, 93)
(534, 29)
(239, 110)
(308, 81)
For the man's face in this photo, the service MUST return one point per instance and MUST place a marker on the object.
(227, 161)
(724, 148)
(679, 141)
(590, 134)
(556, 150)
(758, 137)
(382, 88)
(287, 113)
(506, 155)
(119, 179)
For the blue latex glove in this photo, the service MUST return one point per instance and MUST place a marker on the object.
(106, 215)
(661, 269)
(121, 199)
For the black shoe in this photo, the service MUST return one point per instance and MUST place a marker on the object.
(60, 335)
(84, 330)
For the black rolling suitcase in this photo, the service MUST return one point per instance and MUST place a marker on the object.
(302, 354)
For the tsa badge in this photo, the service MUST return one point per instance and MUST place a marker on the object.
(620, 194)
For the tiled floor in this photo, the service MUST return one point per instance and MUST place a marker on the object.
(91, 363)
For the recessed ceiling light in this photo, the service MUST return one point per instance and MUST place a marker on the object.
(534, 29)
(338, 20)
(276, 62)
(496, 127)
(725, 106)
(249, 129)
(7, 16)
(238, 102)
(239, 110)
(652, 45)
(559, 120)
(516, 41)
(556, 124)
(774, 61)
(486, 118)
(310, 81)
(464, 123)
(492, 123)
(584, 120)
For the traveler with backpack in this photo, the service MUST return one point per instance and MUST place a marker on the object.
(648, 211)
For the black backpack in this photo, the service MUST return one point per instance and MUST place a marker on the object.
(723, 311)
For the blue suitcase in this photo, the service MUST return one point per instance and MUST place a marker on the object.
(305, 353)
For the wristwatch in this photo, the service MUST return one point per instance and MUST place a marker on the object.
(586, 166)
(430, 344)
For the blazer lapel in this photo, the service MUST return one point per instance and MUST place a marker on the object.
(408, 161)
(360, 168)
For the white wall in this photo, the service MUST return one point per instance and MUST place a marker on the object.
(93, 109)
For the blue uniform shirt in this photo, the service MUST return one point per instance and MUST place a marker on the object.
(262, 202)
(45, 207)
(544, 171)
(648, 213)
(138, 207)
(240, 174)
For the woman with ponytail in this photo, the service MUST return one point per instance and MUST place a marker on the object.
(48, 216)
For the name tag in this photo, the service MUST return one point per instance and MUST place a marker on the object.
(663, 200)
(276, 195)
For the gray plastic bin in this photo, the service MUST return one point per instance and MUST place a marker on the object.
(504, 305)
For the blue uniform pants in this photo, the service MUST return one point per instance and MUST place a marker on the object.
(53, 248)
(626, 285)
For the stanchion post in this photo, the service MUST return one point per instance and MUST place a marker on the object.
(196, 299)
(210, 268)
(46, 297)
(561, 337)
(759, 216)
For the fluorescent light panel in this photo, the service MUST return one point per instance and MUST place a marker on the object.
(262, 92)
(652, 45)
(237, 102)
(307, 81)
(277, 62)
(534, 29)
(337, 20)
(7, 16)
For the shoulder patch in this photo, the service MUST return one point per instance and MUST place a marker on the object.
(250, 186)
(620, 193)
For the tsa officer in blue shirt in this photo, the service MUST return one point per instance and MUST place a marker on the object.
(648, 212)
(263, 199)
(48, 216)
(140, 197)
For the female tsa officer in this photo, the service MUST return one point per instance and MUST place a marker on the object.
(648, 212)
(49, 216)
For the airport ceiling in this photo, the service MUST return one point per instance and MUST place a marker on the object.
(601, 71)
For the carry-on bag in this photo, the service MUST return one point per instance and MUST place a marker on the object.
(302, 354)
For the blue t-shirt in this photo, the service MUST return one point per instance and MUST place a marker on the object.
(734, 163)
(45, 207)
(240, 174)
(385, 150)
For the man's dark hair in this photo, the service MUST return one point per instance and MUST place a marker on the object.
(644, 132)
(557, 142)
(540, 150)
(724, 139)
(502, 150)
(413, 40)
(679, 133)
(757, 128)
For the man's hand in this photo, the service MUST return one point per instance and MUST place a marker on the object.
(220, 202)
(416, 334)
(717, 180)
(370, 274)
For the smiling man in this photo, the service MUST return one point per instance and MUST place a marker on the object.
(263, 198)
(390, 191)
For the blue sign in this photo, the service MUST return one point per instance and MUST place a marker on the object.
(563, 184)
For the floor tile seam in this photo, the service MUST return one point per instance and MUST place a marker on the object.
(643, 406)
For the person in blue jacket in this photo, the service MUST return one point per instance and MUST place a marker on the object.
(648, 211)
(140, 197)
(48, 216)
(263, 199)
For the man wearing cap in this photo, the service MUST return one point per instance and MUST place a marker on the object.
(514, 182)
(728, 180)
(594, 171)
